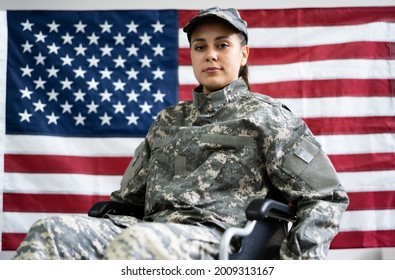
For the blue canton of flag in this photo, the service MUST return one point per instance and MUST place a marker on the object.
(96, 73)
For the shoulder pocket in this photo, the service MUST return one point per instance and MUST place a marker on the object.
(309, 165)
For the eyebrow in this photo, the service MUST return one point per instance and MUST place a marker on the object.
(216, 39)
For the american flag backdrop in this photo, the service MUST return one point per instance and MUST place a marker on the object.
(79, 90)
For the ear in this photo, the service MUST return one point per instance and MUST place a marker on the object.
(245, 51)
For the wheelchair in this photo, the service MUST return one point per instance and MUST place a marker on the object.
(267, 225)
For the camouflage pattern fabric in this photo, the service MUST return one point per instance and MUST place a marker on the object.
(165, 241)
(200, 165)
(231, 15)
(72, 237)
(67, 237)
(204, 161)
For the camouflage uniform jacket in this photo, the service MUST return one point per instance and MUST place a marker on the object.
(204, 161)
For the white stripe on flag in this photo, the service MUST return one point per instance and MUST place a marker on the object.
(372, 181)
(311, 36)
(47, 145)
(340, 106)
(61, 183)
(326, 69)
(314, 70)
(358, 144)
(366, 220)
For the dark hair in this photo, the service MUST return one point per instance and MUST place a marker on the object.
(243, 72)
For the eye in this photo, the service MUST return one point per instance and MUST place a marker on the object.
(198, 47)
(223, 45)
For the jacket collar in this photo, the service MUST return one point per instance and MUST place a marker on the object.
(210, 103)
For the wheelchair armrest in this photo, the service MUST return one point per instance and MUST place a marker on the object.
(263, 233)
(260, 209)
(101, 208)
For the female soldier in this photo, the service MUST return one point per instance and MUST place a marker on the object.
(202, 162)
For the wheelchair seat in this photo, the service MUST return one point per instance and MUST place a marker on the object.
(260, 239)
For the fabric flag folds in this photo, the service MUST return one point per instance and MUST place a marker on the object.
(79, 89)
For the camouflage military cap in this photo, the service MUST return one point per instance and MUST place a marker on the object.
(231, 15)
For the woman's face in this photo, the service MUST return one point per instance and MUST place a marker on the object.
(216, 54)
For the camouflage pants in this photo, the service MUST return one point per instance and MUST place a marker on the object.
(82, 237)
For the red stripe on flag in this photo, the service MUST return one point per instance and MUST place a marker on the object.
(371, 200)
(116, 166)
(65, 164)
(52, 203)
(357, 50)
(363, 162)
(326, 88)
(11, 241)
(364, 239)
(351, 125)
(71, 203)
(184, 57)
(269, 56)
(313, 88)
(185, 92)
(307, 16)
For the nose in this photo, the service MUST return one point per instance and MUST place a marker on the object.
(209, 59)
(211, 55)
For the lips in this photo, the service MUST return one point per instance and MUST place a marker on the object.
(211, 69)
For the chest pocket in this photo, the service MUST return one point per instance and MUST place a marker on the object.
(226, 141)
(179, 161)
(161, 142)
(163, 153)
